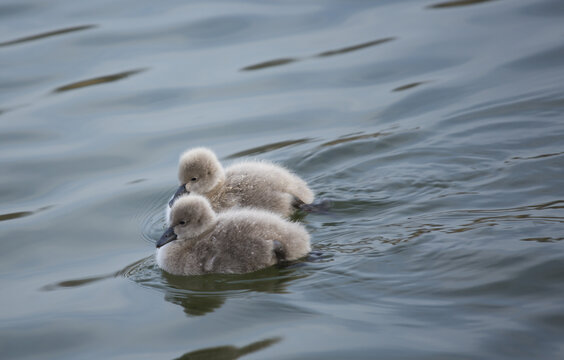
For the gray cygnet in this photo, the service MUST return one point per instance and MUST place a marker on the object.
(235, 241)
(257, 184)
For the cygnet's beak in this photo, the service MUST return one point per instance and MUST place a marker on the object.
(179, 192)
(167, 237)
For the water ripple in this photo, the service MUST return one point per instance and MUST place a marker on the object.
(199, 295)
(461, 221)
(409, 86)
(268, 147)
(340, 51)
(354, 47)
(349, 138)
(229, 352)
(47, 34)
(20, 214)
(457, 3)
(98, 80)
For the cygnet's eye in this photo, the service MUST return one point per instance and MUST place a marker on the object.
(182, 222)
(194, 179)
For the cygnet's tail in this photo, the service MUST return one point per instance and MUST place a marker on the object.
(318, 206)
(301, 191)
(279, 251)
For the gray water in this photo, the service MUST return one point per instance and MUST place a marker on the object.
(436, 129)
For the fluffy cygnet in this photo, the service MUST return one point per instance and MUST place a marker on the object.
(255, 184)
(236, 241)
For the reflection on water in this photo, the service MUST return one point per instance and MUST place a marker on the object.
(543, 239)
(354, 47)
(473, 220)
(130, 270)
(47, 34)
(268, 147)
(409, 86)
(136, 181)
(15, 215)
(284, 61)
(196, 304)
(77, 282)
(270, 63)
(98, 80)
(228, 352)
(536, 156)
(530, 214)
(457, 3)
(20, 214)
(197, 295)
(498, 220)
(348, 138)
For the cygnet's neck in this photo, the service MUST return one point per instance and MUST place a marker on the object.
(189, 241)
(217, 190)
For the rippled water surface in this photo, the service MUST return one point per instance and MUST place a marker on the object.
(435, 127)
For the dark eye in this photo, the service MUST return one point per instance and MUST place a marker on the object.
(194, 179)
(182, 222)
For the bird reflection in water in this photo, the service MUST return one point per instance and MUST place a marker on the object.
(198, 295)
(228, 352)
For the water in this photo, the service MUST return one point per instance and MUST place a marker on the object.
(436, 128)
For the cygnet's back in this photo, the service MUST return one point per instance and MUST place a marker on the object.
(266, 186)
(257, 184)
(235, 241)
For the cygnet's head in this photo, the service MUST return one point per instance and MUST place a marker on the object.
(191, 216)
(199, 171)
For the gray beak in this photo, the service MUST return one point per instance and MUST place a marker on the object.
(179, 192)
(167, 237)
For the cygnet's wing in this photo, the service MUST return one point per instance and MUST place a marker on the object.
(241, 242)
(264, 176)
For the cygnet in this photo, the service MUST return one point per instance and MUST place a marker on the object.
(235, 241)
(257, 184)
